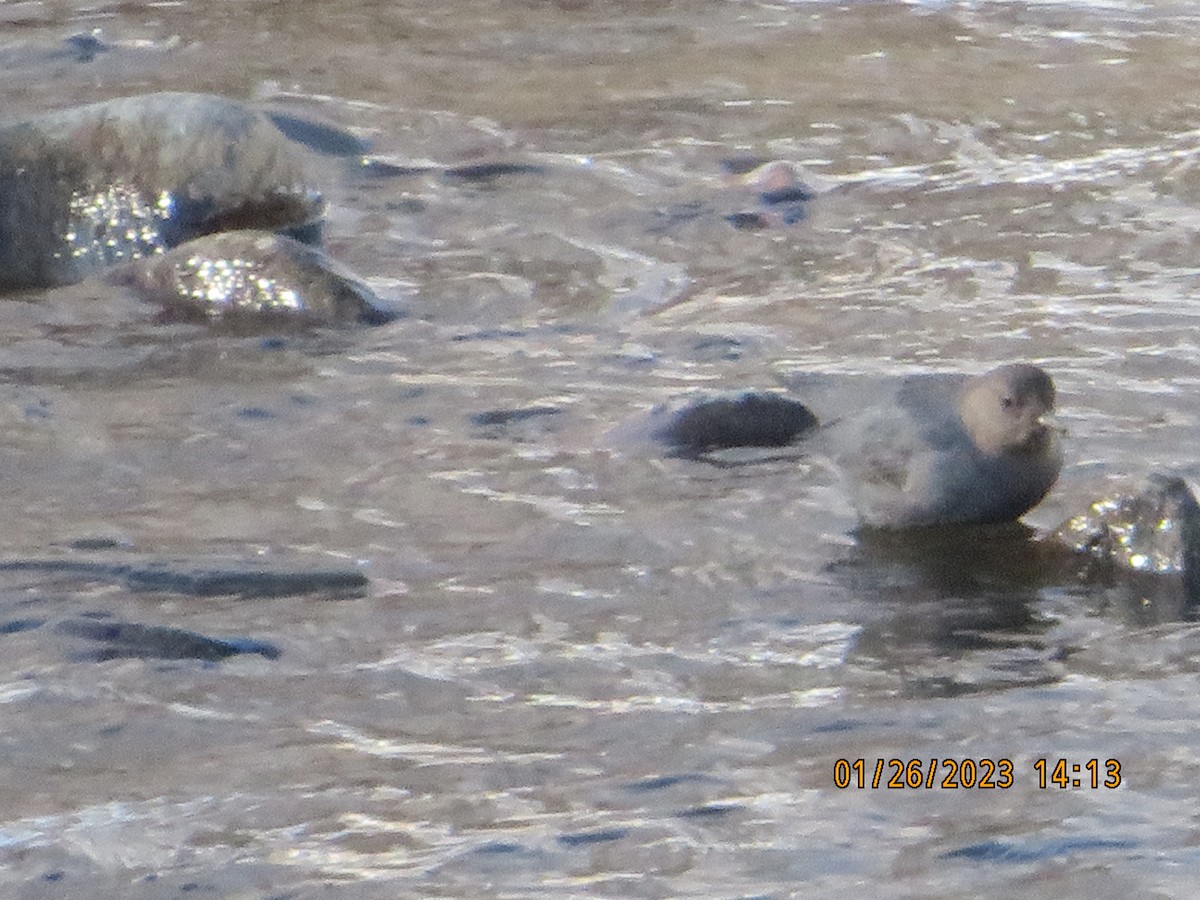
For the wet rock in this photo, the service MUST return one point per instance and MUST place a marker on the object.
(320, 137)
(204, 578)
(750, 419)
(489, 171)
(524, 423)
(130, 640)
(253, 278)
(774, 193)
(484, 172)
(587, 838)
(755, 194)
(1148, 527)
(84, 188)
(15, 626)
(92, 51)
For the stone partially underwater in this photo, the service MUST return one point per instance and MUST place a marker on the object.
(749, 419)
(134, 640)
(82, 189)
(1146, 530)
(198, 577)
(197, 203)
(253, 278)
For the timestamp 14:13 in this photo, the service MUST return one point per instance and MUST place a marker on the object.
(1065, 774)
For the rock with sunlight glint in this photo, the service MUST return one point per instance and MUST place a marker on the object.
(253, 278)
(82, 189)
(1147, 527)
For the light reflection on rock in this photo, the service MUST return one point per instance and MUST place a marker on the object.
(253, 277)
(83, 188)
(1150, 526)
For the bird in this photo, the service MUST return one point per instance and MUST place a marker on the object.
(950, 450)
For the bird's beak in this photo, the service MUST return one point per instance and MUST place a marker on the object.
(1050, 422)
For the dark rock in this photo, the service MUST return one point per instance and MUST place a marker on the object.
(599, 836)
(998, 851)
(483, 172)
(755, 194)
(84, 188)
(781, 195)
(253, 278)
(524, 424)
(247, 580)
(38, 62)
(378, 167)
(129, 640)
(204, 578)
(495, 417)
(320, 137)
(709, 810)
(16, 626)
(487, 171)
(1146, 527)
(751, 419)
(85, 46)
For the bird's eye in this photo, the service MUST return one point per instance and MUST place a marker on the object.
(1007, 402)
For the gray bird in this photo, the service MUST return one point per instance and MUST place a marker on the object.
(947, 450)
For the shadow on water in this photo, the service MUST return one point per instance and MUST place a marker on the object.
(962, 607)
(978, 609)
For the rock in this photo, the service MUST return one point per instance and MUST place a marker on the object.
(749, 419)
(203, 578)
(754, 194)
(84, 188)
(525, 423)
(1146, 527)
(253, 278)
(781, 197)
(87, 53)
(132, 640)
(320, 137)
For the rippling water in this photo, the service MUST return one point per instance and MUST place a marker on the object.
(580, 669)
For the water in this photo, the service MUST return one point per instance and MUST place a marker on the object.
(580, 670)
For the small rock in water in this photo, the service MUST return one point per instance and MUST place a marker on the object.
(703, 427)
(132, 640)
(526, 422)
(202, 577)
(84, 188)
(749, 419)
(253, 278)
(320, 137)
(781, 195)
(1147, 527)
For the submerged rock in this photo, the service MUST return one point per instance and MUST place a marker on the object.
(253, 277)
(1148, 527)
(754, 194)
(204, 578)
(87, 53)
(320, 137)
(84, 188)
(524, 423)
(778, 196)
(132, 640)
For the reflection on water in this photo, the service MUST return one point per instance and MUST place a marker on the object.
(584, 668)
